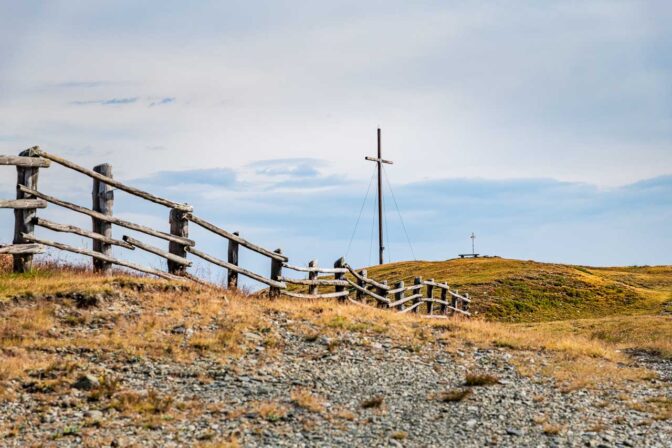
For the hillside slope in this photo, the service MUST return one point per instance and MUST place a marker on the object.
(124, 361)
(526, 291)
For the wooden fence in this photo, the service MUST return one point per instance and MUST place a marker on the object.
(347, 283)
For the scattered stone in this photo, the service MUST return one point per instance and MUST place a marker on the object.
(86, 382)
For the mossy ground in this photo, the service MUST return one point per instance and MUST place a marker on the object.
(527, 291)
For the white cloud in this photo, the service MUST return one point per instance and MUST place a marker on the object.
(571, 90)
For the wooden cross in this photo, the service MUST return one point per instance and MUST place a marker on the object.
(379, 160)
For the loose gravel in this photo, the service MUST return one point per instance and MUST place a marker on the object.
(371, 392)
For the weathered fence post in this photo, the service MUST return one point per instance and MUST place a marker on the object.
(179, 226)
(362, 284)
(231, 275)
(103, 201)
(453, 303)
(430, 293)
(312, 275)
(399, 295)
(23, 218)
(465, 305)
(444, 298)
(276, 274)
(383, 293)
(417, 281)
(340, 263)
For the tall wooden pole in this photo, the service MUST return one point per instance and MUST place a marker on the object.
(379, 161)
(381, 248)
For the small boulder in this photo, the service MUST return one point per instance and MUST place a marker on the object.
(86, 382)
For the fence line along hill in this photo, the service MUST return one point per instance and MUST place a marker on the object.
(426, 297)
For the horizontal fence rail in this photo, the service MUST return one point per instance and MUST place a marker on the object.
(23, 203)
(107, 218)
(233, 237)
(26, 162)
(22, 249)
(100, 256)
(81, 232)
(238, 269)
(111, 182)
(346, 283)
(156, 251)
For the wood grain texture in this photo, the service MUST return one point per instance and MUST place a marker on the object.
(328, 295)
(112, 219)
(26, 162)
(276, 274)
(23, 203)
(230, 236)
(156, 251)
(90, 253)
(317, 282)
(23, 218)
(316, 268)
(22, 249)
(339, 278)
(367, 280)
(232, 258)
(56, 227)
(312, 275)
(368, 293)
(179, 226)
(240, 270)
(102, 202)
(113, 182)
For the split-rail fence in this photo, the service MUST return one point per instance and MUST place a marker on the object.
(428, 297)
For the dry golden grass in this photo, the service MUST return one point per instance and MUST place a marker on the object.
(344, 414)
(133, 402)
(551, 429)
(528, 291)
(399, 435)
(271, 410)
(373, 402)
(232, 443)
(453, 395)
(480, 379)
(581, 353)
(303, 398)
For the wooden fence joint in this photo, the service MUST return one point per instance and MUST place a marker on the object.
(23, 217)
(103, 201)
(179, 226)
(276, 274)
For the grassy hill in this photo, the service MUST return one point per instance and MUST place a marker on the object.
(528, 291)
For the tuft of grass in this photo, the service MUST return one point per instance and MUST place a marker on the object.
(106, 390)
(551, 429)
(149, 403)
(373, 402)
(345, 414)
(453, 395)
(480, 379)
(229, 443)
(271, 411)
(303, 398)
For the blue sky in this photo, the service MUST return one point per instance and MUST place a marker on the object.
(543, 126)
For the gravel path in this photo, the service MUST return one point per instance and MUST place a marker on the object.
(370, 392)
